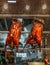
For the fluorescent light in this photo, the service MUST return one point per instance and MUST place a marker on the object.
(10, 1)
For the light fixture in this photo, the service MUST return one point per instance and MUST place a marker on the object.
(44, 6)
(5, 6)
(27, 7)
(11, 1)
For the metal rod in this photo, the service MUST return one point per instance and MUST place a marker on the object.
(1, 26)
(23, 15)
(23, 32)
(8, 49)
(6, 23)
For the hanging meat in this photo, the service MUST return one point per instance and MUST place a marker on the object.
(36, 33)
(14, 33)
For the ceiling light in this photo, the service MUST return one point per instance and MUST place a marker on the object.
(27, 7)
(5, 6)
(11, 1)
(44, 6)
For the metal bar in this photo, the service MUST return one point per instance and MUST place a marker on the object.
(1, 48)
(45, 32)
(4, 31)
(34, 49)
(23, 15)
(1, 26)
(8, 49)
(36, 63)
(6, 23)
